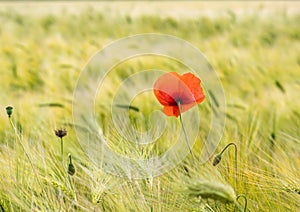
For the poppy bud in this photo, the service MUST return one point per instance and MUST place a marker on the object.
(9, 110)
(217, 159)
(71, 167)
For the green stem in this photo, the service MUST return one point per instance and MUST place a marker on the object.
(235, 160)
(72, 184)
(70, 158)
(62, 150)
(183, 128)
(246, 201)
(237, 205)
(24, 150)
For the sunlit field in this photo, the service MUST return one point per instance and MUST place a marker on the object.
(255, 52)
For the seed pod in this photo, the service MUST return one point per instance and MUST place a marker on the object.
(9, 110)
(217, 159)
(60, 133)
(71, 167)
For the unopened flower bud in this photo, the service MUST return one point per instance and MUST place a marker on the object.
(71, 167)
(217, 159)
(9, 110)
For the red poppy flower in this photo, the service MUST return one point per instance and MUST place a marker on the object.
(171, 89)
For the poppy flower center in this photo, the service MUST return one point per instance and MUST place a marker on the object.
(178, 101)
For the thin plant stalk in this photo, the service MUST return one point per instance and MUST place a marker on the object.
(61, 133)
(72, 184)
(245, 199)
(71, 172)
(62, 150)
(24, 150)
(183, 128)
(238, 206)
(218, 159)
(235, 161)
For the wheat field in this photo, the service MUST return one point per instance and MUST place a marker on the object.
(253, 47)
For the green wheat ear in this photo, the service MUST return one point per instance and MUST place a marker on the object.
(212, 190)
(65, 190)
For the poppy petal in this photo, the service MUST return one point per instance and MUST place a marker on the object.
(194, 85)
(166, 88)
(171, 111)
(172, 88)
